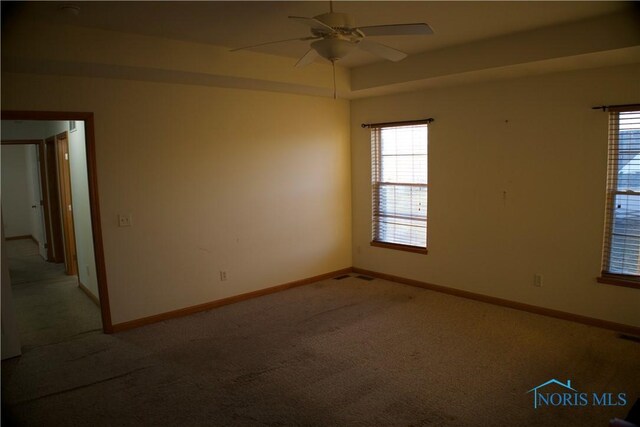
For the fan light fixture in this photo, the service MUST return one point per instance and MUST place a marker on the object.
(335, 36)
(333, 49)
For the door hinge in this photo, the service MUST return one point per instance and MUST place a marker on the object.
(69, 207)
(41, 202)
(66, 156)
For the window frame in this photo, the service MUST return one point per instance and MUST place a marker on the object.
(612, 191)
(376, 181)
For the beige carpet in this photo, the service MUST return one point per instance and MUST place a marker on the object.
(49, 305)
(338, 352)
(26, 265)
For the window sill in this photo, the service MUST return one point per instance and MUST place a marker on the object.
(398, 247)
(619, 280)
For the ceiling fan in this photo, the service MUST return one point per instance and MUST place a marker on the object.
(335, 35)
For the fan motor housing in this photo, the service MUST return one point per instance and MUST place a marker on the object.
(343, 27)
(336, 20)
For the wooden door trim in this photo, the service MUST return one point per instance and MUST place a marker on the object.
(66, 203)
(45, 199)
(53, 191)
(20, 141)
(94, 202)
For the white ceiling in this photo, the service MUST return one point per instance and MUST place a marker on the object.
(241, 23)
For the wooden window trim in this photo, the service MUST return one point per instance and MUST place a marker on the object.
(619, 280)
(399, 247)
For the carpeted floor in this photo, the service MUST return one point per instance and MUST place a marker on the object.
(49, 305)
(26, 265)
(337, 352)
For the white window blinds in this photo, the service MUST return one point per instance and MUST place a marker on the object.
(399, 185)
(621, 251)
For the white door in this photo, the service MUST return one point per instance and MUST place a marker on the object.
(43, 233)
(35, 198)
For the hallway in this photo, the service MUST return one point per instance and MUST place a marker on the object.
(49, 305)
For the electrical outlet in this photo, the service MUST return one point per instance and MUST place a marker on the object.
(537, 280)
(125, 220)
(223, 276)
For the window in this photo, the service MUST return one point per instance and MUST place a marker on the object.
(399, 186)
(621, 251)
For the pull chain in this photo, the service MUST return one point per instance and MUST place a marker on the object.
(333, 66)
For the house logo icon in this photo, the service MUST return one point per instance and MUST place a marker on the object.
(537, 394)
(562, 394)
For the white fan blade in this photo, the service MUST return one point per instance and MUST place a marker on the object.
(277, 41)
(308, 58)
(382, 51)
(397, 30)
(313, 23)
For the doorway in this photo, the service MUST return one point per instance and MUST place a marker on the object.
(55, 246)
(65, 248)
(61, 142)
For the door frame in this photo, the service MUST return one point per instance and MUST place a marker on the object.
(92, 180)
(56, 233)
(44, 191)
(66, 203)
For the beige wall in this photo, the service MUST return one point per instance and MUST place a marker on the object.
(87, 274)
(16, 205)
(253, 183)
(535, 138)
(46, 48)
